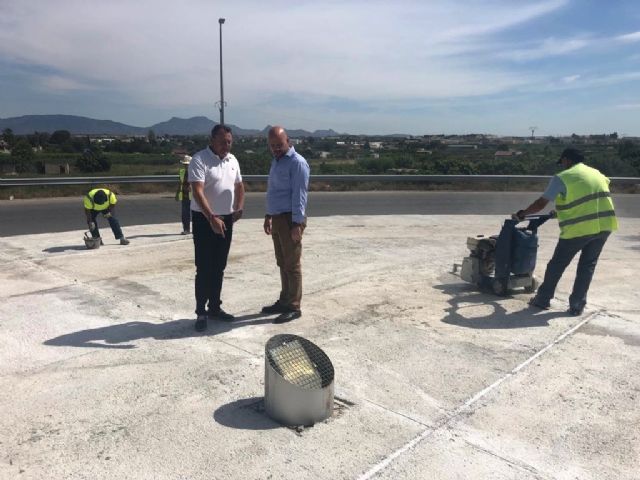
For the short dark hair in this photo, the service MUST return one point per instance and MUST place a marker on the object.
(220, 128)
(100, 197)
(572, 154)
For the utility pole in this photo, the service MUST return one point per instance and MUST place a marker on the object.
(221, 21)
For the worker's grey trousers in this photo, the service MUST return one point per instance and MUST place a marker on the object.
(589, 247)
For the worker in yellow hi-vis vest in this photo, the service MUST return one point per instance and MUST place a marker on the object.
(586, 217)
(102, 201)
(183, 195)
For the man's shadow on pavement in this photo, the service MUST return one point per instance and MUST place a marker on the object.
(157, 235)
(463, 295)
(121, 336)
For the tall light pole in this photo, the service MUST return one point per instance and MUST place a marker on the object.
(221, 21)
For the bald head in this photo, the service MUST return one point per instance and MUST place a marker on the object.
(278, 141)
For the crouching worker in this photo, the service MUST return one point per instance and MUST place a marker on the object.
(102, 200)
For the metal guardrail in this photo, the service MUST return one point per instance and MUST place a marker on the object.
(23, 182)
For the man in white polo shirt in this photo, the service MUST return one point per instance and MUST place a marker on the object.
(217, 202)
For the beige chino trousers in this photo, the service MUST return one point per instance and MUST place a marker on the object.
(288, 258)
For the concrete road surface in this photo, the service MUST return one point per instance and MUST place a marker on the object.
(102, 375)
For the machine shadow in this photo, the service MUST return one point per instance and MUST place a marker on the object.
(463, 295)
(245, 414)
(123, 335)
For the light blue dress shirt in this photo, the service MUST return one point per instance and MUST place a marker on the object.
(288, 185)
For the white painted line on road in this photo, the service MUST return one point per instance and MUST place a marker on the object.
(466, 405)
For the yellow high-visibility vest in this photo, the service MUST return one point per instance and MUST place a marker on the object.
(90, 204)
(182, 173)
(587, 208)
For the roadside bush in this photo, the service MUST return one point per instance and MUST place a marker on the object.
(93, 162)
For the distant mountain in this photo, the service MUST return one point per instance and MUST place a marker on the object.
(175, 126)
(76, 125)
(297, 133)
(194, 126)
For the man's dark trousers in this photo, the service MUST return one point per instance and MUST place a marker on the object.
(186, 214)
(113, 223)
(211, 253)
(590, 247)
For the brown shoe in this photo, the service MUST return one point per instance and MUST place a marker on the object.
(275, 308)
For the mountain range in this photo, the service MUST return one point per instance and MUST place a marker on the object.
(90, 126)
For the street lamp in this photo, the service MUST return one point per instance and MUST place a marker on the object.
(221, 21)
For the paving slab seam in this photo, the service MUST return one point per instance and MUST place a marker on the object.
(384, 463)
(238, 348)
(58, 274)
(43, 368)
(513, 462)
(386, 409)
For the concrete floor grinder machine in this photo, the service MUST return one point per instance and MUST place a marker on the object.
(506, 261)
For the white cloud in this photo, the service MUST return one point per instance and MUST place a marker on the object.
(629, 37)
(628, 106)
(62, 84)
(570, 78)
(165, 53)
(550, 47)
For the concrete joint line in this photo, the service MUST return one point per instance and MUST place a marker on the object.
(430, 427)
(238, 348)
(466, 406)
(513, 462)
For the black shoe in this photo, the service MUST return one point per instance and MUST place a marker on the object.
(201, 323)
(288, 316)
(576, 312)
(222, 316)
(275, 308)
(534, 302)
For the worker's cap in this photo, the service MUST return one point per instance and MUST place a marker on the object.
(100, 197)
(185, 160)
(572, 154)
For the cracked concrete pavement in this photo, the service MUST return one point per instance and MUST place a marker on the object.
(103, 376)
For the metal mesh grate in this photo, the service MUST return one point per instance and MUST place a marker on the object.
(299, 361)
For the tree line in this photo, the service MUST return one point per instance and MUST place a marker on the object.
(612, 156)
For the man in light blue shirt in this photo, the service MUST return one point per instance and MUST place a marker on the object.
(286, 220)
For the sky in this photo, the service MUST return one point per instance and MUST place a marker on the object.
(361, 67)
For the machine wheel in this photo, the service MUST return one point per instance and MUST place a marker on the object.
(533, 287)
(499, 287)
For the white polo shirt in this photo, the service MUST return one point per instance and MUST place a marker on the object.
(219, 176)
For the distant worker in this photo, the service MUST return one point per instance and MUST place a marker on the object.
(218, 200)
(286, 221)
(183, 195)
(586, 217)
(102, 200)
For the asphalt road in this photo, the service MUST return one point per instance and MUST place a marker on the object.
(22, 217)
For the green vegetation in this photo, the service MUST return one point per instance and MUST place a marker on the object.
(35, 154)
